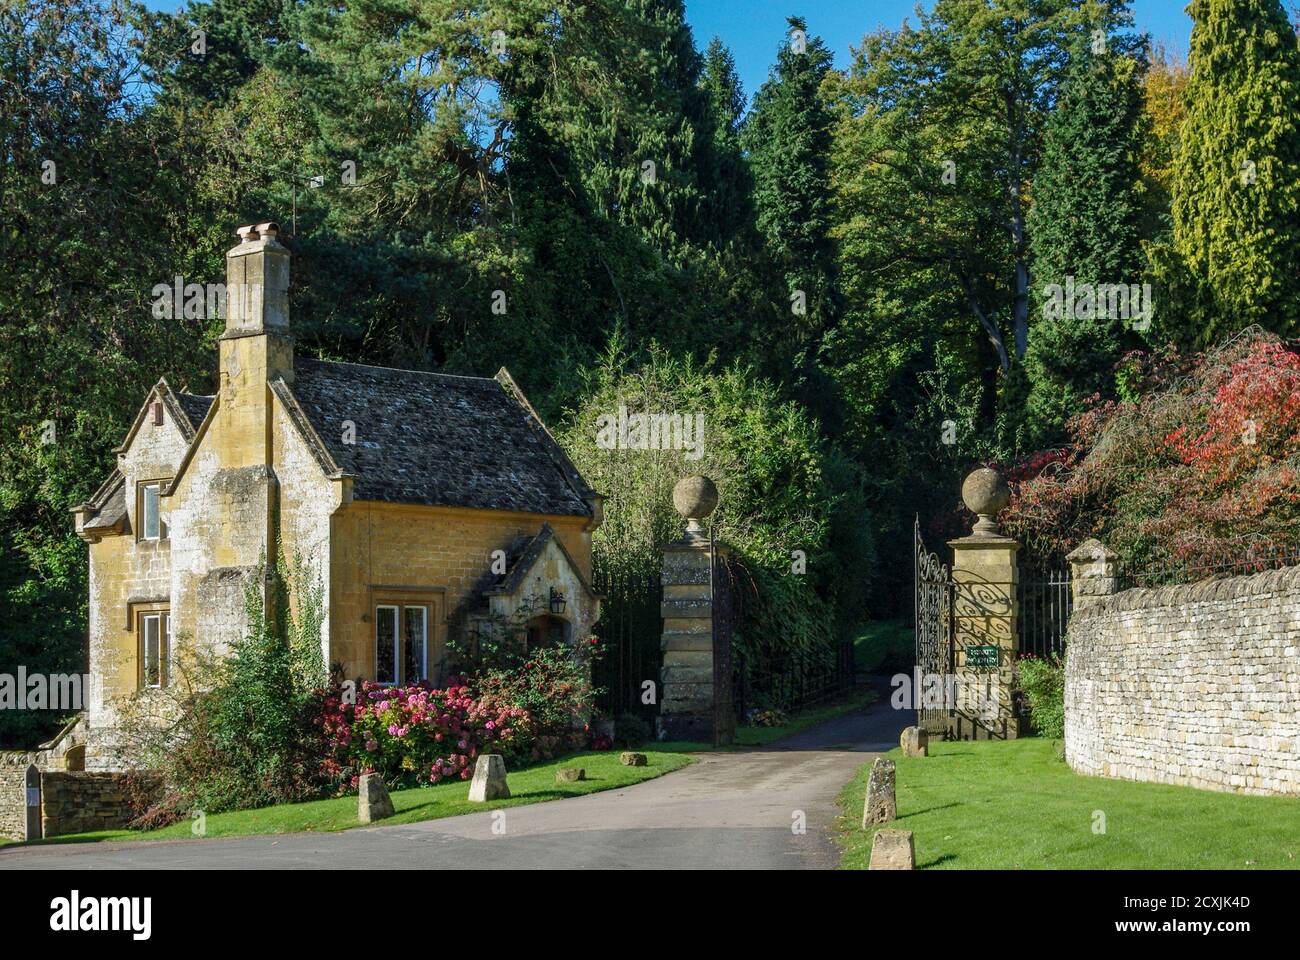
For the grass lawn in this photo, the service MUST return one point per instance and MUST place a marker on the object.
(761, 736)
(885, 646)
(532, 785)
(1014, 805)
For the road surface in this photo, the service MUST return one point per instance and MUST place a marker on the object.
(734, 810)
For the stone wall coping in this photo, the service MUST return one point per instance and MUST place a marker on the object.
(1229, 588)
(1090, 551)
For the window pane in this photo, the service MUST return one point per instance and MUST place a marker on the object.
(150, 507)
(415, 662)
(386, 644)
(152, 652)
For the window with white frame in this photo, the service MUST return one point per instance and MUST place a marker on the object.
(401, 643)
(415, 662)
(150, 521)
(155, 647)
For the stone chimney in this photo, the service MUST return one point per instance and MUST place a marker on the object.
(257, 283)
(256, 349)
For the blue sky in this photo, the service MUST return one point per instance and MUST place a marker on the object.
(753, 28)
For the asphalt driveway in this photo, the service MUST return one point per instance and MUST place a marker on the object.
(736, 810)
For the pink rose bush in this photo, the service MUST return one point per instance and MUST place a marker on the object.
(417, 734)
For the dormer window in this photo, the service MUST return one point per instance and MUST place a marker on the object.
(151, 525)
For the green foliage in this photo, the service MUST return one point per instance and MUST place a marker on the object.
(787, 138)
(938, 140)
(1084, 224)
(554, 686)
(524, 170)
(244, 735)
(631, 731)
(885, 646)
(90, 198)
(771, 470)
(1236, 187)
(1042, 681)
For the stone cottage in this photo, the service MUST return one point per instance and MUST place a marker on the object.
(423, 504)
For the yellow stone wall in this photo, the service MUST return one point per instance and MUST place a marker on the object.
(123, 570)
(394, 551)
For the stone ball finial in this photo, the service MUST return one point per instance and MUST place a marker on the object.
(695, 498)
(985, 493)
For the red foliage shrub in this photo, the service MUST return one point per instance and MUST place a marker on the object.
(1202, 467)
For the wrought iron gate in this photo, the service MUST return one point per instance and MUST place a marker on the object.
(933, 608)
(723, 597)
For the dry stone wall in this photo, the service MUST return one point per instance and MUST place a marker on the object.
(1197, 685)
(13, 793)
(80, 802)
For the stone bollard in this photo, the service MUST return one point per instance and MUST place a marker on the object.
(570, 775)
(489, 779)
(881, 805)
(892, 850)
(915, 742)
(632, 759)
(373, 801)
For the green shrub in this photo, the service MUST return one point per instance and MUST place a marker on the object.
(243, 734)
(884, 646)
(554, 686)
(631, 730)
(1042, 681)
(789, 507)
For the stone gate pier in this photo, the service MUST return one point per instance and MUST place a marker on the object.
(695, 679)
(985, 639)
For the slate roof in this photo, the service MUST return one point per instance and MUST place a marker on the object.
(195, 407)
(110, 503)
(432, 438)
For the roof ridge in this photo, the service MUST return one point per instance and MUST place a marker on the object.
(371, 366)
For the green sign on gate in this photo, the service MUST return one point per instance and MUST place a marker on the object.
(982, 656)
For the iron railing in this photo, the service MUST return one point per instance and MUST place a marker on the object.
(629, 630)
(1228, 559)
(1044, 601)
(791, 681)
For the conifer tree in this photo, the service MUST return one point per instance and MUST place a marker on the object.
(1084, 225)
(725, 180)
(1236, 193)
(788, 138)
